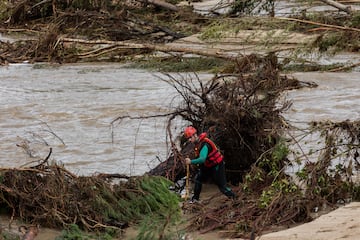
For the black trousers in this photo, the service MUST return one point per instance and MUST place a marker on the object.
(217, 173)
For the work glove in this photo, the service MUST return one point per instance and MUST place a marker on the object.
(187, 161)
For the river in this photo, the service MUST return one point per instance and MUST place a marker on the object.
(70, 108)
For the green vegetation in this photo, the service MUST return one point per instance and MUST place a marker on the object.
(183, 64)
(270, 169)
(3, 6)
(101, 209)
(240, 7)
(73, 232)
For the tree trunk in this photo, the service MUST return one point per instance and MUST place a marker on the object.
(339, 6)
(155, 47)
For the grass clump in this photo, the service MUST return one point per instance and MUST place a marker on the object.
(183, 64)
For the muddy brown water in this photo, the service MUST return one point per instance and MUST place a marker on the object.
(70, 108)
(337, 98)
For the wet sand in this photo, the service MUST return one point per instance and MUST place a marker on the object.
(342, 223)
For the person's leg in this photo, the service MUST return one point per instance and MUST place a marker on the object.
(199, 178)
(220, 180)
(198, 185)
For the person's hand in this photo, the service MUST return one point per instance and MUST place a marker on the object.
(187, 161)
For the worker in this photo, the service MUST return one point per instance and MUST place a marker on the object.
(211, 163)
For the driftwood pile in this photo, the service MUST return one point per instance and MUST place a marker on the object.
(48, 195)
(45, 24)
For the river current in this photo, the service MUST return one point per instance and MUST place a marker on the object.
(70, 108)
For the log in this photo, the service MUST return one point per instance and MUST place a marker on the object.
(339, 6)
(163, 4)
(155, 47)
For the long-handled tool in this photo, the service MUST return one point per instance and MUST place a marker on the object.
(187, 182)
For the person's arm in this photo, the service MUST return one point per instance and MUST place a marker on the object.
(202, 156)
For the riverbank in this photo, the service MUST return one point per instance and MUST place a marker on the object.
(342, 223)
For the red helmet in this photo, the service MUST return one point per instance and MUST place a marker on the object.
(189, 131)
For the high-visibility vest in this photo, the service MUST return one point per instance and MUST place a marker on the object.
(214, 156)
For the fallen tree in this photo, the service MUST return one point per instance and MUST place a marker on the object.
(339, 6)
(239, 111)
(50, 196)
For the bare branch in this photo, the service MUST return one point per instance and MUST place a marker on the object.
(320, 24)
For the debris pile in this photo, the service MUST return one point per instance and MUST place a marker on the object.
(93, 27)
(50, 196)
(239, 111)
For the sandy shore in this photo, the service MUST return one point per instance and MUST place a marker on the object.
(342, 223)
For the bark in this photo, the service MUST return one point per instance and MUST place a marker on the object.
(339, 6)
